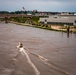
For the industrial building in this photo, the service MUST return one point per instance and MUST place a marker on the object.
(59, 20)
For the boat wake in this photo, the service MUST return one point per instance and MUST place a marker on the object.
(24, 52)
(50, 64)
(47, 62)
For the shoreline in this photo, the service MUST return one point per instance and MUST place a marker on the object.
(52, 28)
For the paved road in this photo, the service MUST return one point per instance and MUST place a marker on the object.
(46, 52)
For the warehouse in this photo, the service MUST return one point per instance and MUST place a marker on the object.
(59, 20)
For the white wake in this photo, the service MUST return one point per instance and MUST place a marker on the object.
(29, 61)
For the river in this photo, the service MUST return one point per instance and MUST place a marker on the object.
(45, 52)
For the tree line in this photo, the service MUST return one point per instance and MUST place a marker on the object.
(17, 12)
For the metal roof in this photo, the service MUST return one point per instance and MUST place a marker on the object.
(59, 19)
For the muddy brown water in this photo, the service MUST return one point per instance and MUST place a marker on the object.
(53, 53)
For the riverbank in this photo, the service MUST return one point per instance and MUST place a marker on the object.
(50, 27)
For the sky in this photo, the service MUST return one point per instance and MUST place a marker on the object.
(40, 5)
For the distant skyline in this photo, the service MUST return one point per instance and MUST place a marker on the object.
(40, 5)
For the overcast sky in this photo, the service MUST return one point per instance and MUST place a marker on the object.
(40, 5)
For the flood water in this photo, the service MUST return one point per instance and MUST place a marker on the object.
(52, 53)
